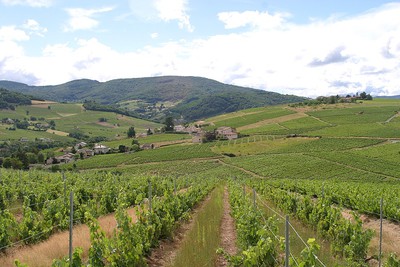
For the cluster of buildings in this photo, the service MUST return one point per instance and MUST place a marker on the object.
(199, 135)
(81, 151)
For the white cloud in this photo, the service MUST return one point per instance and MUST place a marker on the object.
(82, 19)
(333, 56)
(174, 10)
(154, 35)
(32, 3)
(165, 10)
(34, 27)
(257, 19)
(11, 33)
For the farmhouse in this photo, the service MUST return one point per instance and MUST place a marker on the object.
(192, 129)
(85, 153)
(100, 149)
(225, 132)
(197, 138)
(66, 158)
(80, 145)
(42, 126)
(8, 121)
(179, 128)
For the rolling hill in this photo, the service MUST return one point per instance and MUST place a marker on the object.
(190, 98)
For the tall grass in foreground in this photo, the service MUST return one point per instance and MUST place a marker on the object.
(200, 245)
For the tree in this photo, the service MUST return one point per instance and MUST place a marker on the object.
(40, 157)
(22, 124)
(135, 147)
(122, 148)
(169, 124)
(52, 125)
(149, 132)
(131, 132)
(32, 158)
(135, 142)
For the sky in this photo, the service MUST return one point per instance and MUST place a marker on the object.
(307, 48)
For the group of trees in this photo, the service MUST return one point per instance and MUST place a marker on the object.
(9, 100)
(333, 99)
(25, 123)
(17, 155)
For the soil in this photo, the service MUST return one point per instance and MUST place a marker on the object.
(227, 231)
(390, 237)
(166, 252)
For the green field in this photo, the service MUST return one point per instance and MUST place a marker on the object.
(239, 119)
(72, 117)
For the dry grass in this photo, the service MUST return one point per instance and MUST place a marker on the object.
(57, 245)
(67, 114)
(60, 133)
(42, 104)
(390, 231)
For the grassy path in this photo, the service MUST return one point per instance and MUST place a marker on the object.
(201, 242)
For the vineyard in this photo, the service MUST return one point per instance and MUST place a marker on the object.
(309, 190)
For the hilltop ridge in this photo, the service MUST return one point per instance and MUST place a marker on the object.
(186, 97)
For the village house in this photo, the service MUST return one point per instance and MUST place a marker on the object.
(179, 128)
(197, 138)
(225, 132)
(66, 158)
(9, 121)
(42, 126)
(85, 153)
(24, 139)
(80, 145)
(100, 149)
(192, 130)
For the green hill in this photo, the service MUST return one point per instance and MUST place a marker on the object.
(155, 98)
(8, 99)
(67, 119)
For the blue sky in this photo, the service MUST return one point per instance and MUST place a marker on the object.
(306, 47)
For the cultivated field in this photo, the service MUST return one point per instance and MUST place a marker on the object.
(328, 168)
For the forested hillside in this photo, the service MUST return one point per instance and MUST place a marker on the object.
(157, 97)
(8, 99)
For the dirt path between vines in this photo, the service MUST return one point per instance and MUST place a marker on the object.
(57, 246)
(390, 237)
(228, 231)
(166, 252)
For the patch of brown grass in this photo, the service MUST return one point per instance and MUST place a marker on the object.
(57, 246)
(60, 133)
